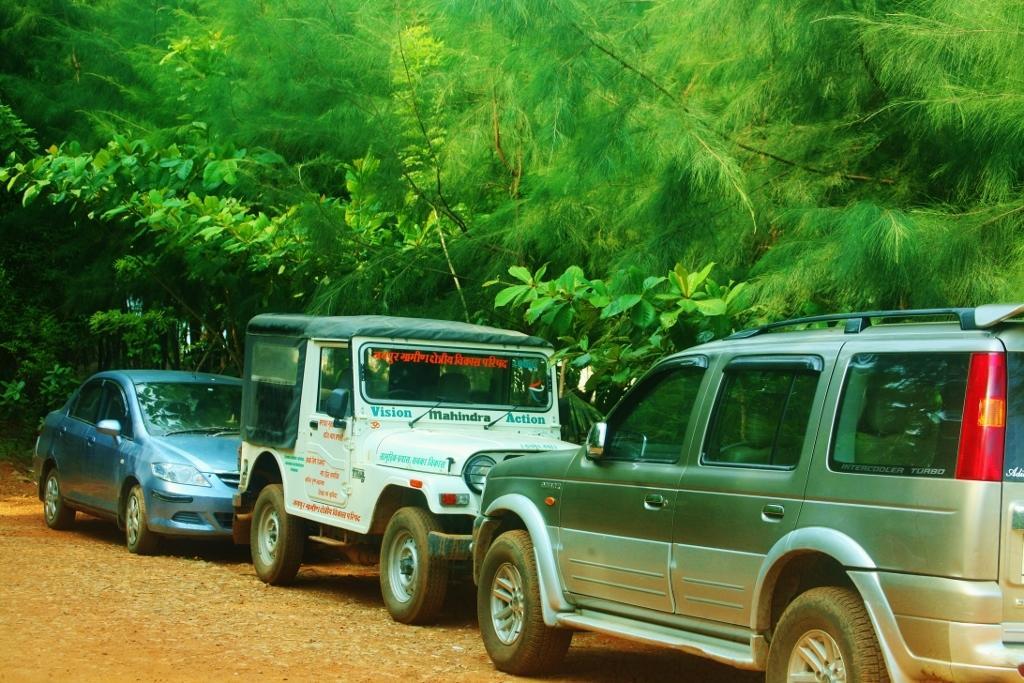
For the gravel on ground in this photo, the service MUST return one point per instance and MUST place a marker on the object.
(75, 605)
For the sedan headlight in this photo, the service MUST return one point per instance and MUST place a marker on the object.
(179, 474)
(475, 472)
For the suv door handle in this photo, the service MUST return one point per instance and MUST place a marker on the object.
(772, 512)
(654, 501)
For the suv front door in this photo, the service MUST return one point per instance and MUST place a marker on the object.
(616, 512)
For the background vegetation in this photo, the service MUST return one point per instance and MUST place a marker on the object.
(173, 167)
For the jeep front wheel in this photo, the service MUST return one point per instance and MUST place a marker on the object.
(275, 538)
(412, 582)
(825, 634)
(509, 611)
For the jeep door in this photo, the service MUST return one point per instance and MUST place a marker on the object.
(616, 511)
(745, 490)
(324, 444)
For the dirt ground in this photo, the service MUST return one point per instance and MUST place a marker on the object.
(77, 606)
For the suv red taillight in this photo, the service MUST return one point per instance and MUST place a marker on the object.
(983, 431)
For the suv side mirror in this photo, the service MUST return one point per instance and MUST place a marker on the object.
(109, 427)
(337, 406)
(595, 440)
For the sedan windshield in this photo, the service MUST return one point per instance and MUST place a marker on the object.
(189, 407)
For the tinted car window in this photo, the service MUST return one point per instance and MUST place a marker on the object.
(180, 407)
(87, 406)
(761, 418)
(900, 414)
(652, 424)
(115, 407)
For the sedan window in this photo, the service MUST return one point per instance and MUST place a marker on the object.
(87, 406)
(116, 408)
(189, 407)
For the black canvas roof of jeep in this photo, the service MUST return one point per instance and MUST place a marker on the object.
(346, 327)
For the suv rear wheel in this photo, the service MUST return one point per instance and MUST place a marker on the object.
(509, 611)
(825, 634)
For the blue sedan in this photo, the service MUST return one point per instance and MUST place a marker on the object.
(155, 451)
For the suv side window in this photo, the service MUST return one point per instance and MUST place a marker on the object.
(87, 406)
(115, 408)
(335, 373)
(761, 417)
(900, 414)
(652, 424)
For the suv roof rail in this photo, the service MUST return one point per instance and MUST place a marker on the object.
(980, 318)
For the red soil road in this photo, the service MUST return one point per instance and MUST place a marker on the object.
(77, 606)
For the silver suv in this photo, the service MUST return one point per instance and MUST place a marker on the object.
(837, 504)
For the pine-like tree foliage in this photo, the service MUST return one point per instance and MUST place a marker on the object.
(840, 155)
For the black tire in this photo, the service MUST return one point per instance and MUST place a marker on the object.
(276, 539)
(55, 510)
(509, 610)
(412, 582)
(834, 620)
(139, 539)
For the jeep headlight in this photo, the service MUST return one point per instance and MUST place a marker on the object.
(475, 472)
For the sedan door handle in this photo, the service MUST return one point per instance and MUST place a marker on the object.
(654, 501)
(91, 441)
(772, 512)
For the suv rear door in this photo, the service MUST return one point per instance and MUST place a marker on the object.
(745, 490)
(1011, 573)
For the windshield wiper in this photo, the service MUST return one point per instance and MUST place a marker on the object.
(500, 417)
(203, 430)
(426, 412)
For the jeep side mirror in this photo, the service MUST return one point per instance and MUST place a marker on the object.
(109, 427)
(595, 440)
(337, 406)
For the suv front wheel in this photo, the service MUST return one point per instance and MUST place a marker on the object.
(509, 611)
(412, 582)
(825, 634)
(276, 538)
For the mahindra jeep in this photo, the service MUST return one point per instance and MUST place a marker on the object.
(374, 435)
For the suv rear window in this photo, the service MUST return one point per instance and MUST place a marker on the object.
(900, 414)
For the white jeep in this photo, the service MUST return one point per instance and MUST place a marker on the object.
(375, 434)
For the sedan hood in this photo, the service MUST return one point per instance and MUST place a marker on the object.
(205, 453)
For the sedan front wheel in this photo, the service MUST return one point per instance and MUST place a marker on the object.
(139, 539)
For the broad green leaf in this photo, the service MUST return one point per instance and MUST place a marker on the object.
(621, 304)
(695, 280)
(643, 314)
(652, 281)
(31, 192)
(711, 307)
(509, 294)
(520, 273)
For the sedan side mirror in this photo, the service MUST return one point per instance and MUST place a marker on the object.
(595, 440)
(109, 427)
(337, 406)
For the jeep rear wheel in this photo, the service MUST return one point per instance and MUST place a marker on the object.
(825, 636)
(276, 538)
(509, 610)
(412, 582)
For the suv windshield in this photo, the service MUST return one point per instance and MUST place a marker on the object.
(430, 375)
(196, 407)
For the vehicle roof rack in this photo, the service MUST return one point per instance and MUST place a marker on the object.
(980, 318)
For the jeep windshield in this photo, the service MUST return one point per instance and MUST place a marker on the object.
(423, 374)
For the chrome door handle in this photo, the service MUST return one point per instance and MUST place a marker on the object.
(654, 501)
(772, 513)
